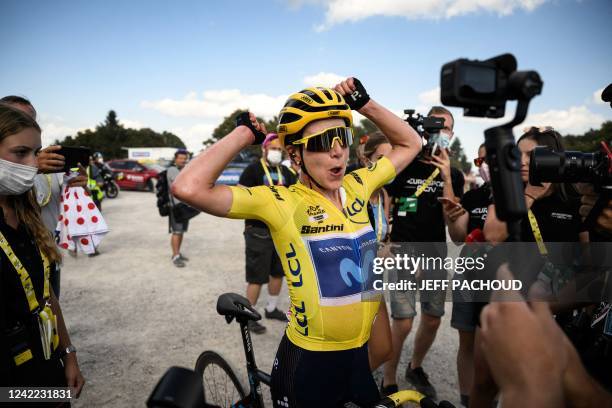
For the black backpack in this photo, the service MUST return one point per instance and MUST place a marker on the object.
(163, 194)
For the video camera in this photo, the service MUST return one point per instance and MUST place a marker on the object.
(426, 127)
(482, 88)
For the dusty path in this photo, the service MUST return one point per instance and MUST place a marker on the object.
(132, 314)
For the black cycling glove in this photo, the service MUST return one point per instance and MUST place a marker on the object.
(243, 119)
(359, 97)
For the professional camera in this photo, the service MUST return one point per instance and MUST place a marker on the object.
(427, 127)
(549, 166)
(482, 88)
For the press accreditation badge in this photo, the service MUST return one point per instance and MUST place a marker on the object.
(608, 324)
(407, 205)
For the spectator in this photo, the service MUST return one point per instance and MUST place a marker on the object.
(48, 184)
(32, 355)
(177, 227)
(262, 262)
(418, 218)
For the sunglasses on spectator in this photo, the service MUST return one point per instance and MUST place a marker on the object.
(478, 161)
(324, 141)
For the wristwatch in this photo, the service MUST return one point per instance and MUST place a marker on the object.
(68, 350)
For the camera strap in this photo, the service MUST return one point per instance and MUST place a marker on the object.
(537, 234)
(410, 204)
(278, 171)
(427, 182)
(47, 321)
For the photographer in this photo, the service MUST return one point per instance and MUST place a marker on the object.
(552, 217)
(34, 342)
(465, 223)
(418, 218)
(554, 206)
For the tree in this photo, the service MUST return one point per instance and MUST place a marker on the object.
(110, 137)
(458, 158)
(590, 140)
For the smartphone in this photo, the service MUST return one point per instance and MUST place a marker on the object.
(449, 201)
(74, 156)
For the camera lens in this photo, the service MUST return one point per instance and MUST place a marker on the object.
(545, 165)
(549, 166)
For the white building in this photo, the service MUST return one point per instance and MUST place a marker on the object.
(151, 154)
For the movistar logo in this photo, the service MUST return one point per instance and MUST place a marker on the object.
(307, 229)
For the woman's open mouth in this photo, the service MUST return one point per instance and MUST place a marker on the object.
(337, 171)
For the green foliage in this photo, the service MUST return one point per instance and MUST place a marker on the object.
(110, 136)
(589, 141)
(458, 158)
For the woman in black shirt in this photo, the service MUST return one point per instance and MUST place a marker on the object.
(553, 216)
(35, 348)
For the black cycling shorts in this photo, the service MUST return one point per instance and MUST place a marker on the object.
(306, 379)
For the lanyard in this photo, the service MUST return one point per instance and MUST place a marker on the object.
(278, 171)
(535, 228)
(26, 282)
(47, 321)
(379, 226)
(427, 182)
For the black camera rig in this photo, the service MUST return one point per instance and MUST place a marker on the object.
(482, 89)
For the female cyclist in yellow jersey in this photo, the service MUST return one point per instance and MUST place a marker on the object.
(321, 231)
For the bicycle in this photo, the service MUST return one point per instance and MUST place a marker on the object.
(229, 391)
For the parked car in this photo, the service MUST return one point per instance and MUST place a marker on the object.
(231, 173)
(136, 176)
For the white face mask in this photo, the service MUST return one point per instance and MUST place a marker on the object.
(483, 170)
(274, 157)
(16, 179)
(442, 139)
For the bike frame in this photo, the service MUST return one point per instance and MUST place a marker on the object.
(256, 376)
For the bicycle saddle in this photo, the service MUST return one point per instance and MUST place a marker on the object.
(232, 305)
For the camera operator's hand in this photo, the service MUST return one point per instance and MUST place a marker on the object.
(537, 192)
(588, 200)
(524, 347)
(442, 161)
(50, 162)
(249, 120)
(354, 93)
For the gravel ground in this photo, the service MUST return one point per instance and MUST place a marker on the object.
(132, 314)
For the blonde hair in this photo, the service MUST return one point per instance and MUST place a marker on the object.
(26, 207)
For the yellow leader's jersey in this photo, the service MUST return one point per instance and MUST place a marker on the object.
(327, 255)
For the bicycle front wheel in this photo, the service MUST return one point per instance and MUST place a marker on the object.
(221, 385)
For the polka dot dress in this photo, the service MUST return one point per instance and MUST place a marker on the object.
(80, 225)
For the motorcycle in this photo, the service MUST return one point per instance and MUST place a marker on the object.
(109, 186)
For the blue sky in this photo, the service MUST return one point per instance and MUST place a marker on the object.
(183, 65)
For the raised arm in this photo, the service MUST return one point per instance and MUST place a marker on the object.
(406, 141)
(195, 185)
